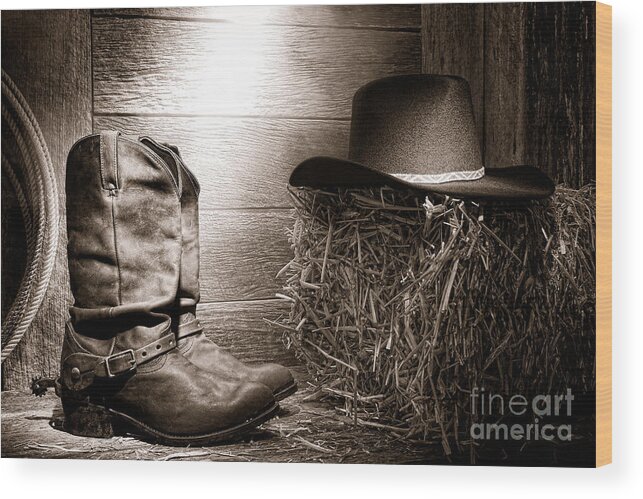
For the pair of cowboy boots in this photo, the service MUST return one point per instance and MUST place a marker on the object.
(134, 354)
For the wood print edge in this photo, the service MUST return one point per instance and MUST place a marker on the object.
(603, 234)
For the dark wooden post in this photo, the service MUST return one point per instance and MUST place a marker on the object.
(47, 54)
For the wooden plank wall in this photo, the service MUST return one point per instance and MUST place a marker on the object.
(246, 94)
(532, 72)
(47, 55)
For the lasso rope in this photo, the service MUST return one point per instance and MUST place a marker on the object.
(38, 201)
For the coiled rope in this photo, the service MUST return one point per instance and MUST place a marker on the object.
(32, 177)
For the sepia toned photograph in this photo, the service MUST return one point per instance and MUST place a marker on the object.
(303, 234)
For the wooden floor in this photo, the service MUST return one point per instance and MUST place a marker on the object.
(306, 430)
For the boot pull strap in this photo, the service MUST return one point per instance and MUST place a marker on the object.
(188, 329)
(80, 369)
(109, 159)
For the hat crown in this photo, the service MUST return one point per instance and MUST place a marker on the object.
(415, 124)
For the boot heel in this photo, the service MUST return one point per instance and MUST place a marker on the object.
(85, 419)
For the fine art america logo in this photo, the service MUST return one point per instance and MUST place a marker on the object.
(540, 407)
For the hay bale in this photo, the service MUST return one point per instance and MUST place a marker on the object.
(401, 305)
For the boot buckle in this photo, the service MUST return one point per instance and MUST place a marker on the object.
(123, 362)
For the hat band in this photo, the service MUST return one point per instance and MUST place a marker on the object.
(440, 178)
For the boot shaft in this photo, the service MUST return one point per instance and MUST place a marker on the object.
(189, 294)
(124, 237)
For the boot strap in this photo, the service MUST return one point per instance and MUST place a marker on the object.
(80, 369)
(109, 160)
(188, 329)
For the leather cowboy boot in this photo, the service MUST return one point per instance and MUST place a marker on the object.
(120, 364)
(192, 341)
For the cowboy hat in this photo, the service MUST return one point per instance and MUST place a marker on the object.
(418, 131)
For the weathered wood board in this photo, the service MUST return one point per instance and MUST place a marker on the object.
(505, 102)
(47, 54)
(241, 253)
(398, 17)
(560, 91)
(242, 328)
(144, 65)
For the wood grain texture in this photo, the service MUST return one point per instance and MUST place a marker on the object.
(47, 54)
(240, 162)
(603, 234)
(241, 328)
(453, 43)
(144, 66)
(241, 253)
(505, 120)
(560, 89)
(355, 16)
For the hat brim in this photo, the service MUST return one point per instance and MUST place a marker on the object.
(511, 183)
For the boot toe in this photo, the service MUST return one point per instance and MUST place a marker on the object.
(278, 378)
(253, 399)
